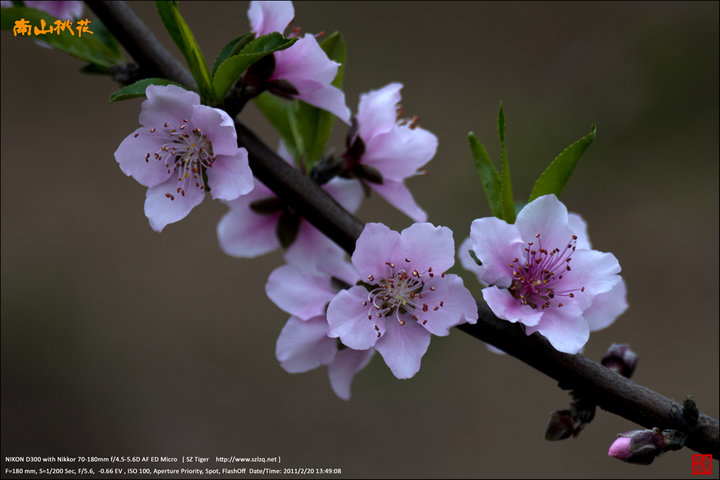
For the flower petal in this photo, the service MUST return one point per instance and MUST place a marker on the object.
(374, 239)
(467, 262)
(398, 195)
(167, 103)
(496, 244)
(132, 153)
(343, 368)
(594, 271)
(402, 347)
(217, 126)
(161, 210)
(268, 17)
(324, 97)
(566, 332)
(304, 60)
(377, 112)
(348, 319)
(244, 233)
(579, 228)
(304, 345)
(348, 193)
(63, 10)
(507, 307)
(606, 307)
(547, 216)
(425, 246)
(298, 293)
(230, 176)
(450, 304)
(401, 152)
(309, 247)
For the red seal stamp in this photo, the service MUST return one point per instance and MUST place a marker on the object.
(701, 464)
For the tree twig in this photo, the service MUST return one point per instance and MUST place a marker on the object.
(608, 389)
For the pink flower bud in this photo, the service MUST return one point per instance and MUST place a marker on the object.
(620, 448)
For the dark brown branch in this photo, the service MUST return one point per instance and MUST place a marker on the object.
(609, 390)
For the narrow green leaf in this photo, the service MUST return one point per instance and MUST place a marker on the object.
(233, 47)
(506, 195)
(137, 89)
(488, 175)
(556, 175)
(185, 40)
(282, 115)
(316, 124)
(230, 70)
(85, 47)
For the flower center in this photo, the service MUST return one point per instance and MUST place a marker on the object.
(400, 292)
(186, 153)
(536, 276)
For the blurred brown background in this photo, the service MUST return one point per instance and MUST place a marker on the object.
(120, 341)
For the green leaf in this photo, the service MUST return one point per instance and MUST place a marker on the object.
(229, 71)
(85, 47)
(556, 175)
(101, 32)
(488, 175)
(137, 89)
(282, 114)
(316, 124)
(233, 47)
(185, 40)
(506, 195)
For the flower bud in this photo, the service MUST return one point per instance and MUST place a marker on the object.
(620, 359)
(638, 446)
(560, 426)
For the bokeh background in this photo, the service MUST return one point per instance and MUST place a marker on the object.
(119, 341)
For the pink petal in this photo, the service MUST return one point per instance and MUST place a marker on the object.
(496, 244)
(425, 246)
(606, 307)
(168, 103)
(348, 319)
(309, 248)
(244, 233)
(161, 210)
(401, 152)
(594, 271)
(455, 305)
(402, 347)
(398, 195)
(298, 293)
(467, 262)
(303, 345)
(368, 256)
(67, 10)
(566, 331)
(377, 112)
(343, 368)
(268, 17)
(230, 176)
(348, 193)
(307, 67)
(305, 60)
(324, 97)
(131, 155)
(509, 308)
(579, 228)
(547, 216)
(218, 127)
(333, 263)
